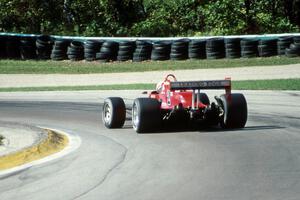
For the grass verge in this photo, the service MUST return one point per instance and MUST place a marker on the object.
(274, 84)
(55, 142)
(82, 67)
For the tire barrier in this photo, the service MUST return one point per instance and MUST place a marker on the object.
(12, 47)
(215, 48)
(294, 48)
(161, 50)
(267, 47)
(59, 51)
(27, 48)
(126, 49)
(75, 51)
(283, 43)
(108, 51)
(143, 51)
(46, 47)
(2, 47)
(296, 39)
(91, 47)
(249, 48)
(44, 44)
(179, 49)
(197, 49)
(232, 48)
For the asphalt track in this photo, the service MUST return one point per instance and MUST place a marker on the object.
(261, 161)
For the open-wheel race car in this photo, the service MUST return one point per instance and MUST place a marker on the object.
(179, 104)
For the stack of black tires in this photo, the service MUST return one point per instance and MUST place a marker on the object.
(27, 48)
(249, 48)
(12, 47)
(267, 47)
(142, 51)
(91, 47)
(233, 48)
(2, 46)
(215, 48)
(197, 49)
(161, 50)
(46, 47)
(126, 49)
(108, 51)
(76, 51)
(44, 44)
(179, 49)
(294, 49)
(283, 43)
(59, 51)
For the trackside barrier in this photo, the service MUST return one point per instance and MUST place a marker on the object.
(106, 49)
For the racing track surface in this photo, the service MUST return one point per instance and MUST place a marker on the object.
(261, 161)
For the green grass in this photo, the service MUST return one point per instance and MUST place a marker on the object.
(143, 86)
(82, 67)
(276, 84)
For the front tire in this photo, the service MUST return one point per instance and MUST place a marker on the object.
(146, 115)
(235, 111)
(114, 112)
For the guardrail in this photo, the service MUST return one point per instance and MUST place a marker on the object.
(152, 38)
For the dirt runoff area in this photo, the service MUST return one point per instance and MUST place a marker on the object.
(242, 73)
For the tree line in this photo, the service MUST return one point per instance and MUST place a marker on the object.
(149, 17)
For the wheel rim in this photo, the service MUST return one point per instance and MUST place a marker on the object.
(107, 113)
(135, 119)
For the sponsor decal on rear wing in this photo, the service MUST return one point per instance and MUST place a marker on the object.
(195, 85)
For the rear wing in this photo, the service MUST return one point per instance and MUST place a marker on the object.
(197, 85)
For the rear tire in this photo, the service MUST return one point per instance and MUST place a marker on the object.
(146, 115)
(204, 98)
(114, 112)
(235, 111)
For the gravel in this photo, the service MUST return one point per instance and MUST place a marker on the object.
(19, 136)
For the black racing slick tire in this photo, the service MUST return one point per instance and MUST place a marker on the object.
(113, 112)
(235, 111)
(204, 98)
(146, 115)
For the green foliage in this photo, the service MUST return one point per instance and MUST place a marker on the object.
(149, 17)
(29, 16)
(271, 18)
(169, 18)
(224, 17)
(156, 23)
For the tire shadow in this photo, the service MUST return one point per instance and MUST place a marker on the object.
(212, 129)
(247, 128)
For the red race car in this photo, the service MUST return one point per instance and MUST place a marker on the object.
(179, 104)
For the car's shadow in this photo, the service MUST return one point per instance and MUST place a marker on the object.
(211, 129)
(247, 128)
(201, 129)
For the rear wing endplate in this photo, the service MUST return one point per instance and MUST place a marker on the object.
(197, 85)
